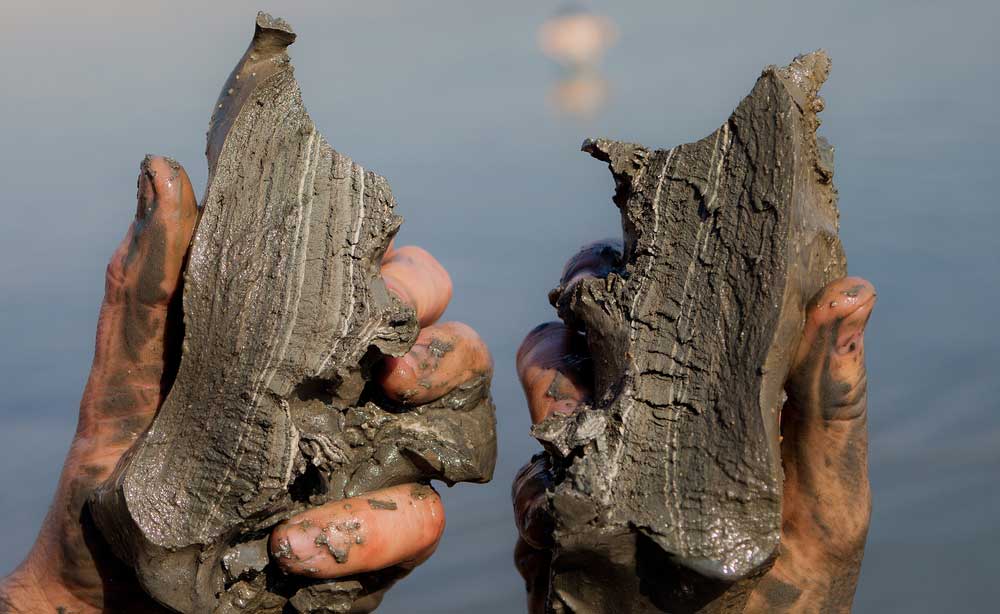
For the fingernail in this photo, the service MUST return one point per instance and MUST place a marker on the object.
(145, 189)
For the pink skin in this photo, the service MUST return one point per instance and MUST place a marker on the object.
(826, 507)
(419, 280)
(398, 525)
(551, 378)
(444, 356)
(69, 569)
(552, 361)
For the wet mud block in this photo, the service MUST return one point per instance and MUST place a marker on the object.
(668, 493)
(286, 316)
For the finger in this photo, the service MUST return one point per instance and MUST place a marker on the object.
(531, 515)
(595, 259)
(143, 278)
(126, 383)
(827, 380)
(419, 280)
(445, 356)
(398, 525)
(554, 366)
(533, 565)
(824, 423)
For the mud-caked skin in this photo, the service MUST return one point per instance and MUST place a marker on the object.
(827, 500)
(827, 503)
(70, 569)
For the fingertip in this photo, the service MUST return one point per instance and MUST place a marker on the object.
(839, 313)
(550, 392)
(553, 365)
(539, 336)
(827, 381)
(445, 356)
(146, 267)
(392, 526)
(419, 280)
(163, 180)
(595, 259)
(840, 299)
(399, 377)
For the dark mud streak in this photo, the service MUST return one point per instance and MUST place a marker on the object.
(830, 398)
(555, 389)
(130, 427)
(79, 564)
(820, 523)
(840, 594)
(780, 596)
(141, 326)
(838, 399)
(377, 504)
(149, 235)
(854, 458)
(804, 401)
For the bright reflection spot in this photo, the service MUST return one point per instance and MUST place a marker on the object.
(576, 39)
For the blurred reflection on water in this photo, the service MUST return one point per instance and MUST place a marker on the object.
(580, 94)
(577, 39)
(447, 99)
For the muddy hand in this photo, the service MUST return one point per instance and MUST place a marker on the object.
(827, 500)
(396, 527)
(554, 367)
(824, 424)
(68, 568)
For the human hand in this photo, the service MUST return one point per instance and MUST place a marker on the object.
(827, 501)
(70, 569)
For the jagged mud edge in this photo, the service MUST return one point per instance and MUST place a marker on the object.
(270, 32)
(564, 436)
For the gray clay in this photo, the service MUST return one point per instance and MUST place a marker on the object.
(271, 412)
(668, 489)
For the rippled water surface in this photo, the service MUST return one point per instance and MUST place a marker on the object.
(452, 101)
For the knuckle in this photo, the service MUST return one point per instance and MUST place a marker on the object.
(114, 281)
